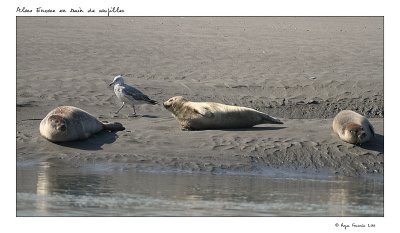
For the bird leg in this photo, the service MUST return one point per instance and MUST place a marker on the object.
(134, 110)
(123, 104)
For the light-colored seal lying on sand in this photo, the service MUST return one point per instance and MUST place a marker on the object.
(208, 115)
(352, 127)
(68, 123)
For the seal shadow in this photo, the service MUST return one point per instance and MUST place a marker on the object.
(255, 129)
(376, 144)
(94, 142)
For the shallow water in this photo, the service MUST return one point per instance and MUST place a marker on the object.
(62, 189)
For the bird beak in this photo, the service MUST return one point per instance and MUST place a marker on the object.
(111, 84)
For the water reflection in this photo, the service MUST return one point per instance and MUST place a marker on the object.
(43, 184)
(103, 189)
(49, 179)
(52, 181)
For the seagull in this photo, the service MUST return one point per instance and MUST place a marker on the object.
(128, 94)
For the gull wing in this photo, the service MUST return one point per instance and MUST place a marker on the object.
(135, 94)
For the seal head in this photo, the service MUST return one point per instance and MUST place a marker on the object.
(175, 102)
(56, 126)
(354, 133)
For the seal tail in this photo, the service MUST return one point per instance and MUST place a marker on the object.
(116, 126)
(271, 120)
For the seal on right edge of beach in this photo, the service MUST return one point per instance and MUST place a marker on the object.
(352, 127)
(210, 115)
(68, 123)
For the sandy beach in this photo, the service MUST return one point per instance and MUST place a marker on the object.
(302, 70)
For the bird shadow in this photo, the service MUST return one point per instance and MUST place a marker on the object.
(376, 144)
(149, 116)
(94, 142)
(255, 129)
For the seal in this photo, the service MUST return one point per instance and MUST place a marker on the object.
(68, 123)
(352, 127)
(209, 115)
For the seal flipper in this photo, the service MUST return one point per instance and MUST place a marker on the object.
(204, 111)
(270, 120)
(116, 126)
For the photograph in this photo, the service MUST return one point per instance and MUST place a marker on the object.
(200, 116)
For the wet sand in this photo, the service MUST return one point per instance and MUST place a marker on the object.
(301, 70)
